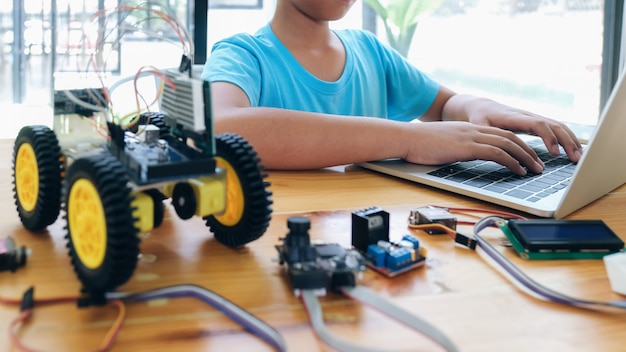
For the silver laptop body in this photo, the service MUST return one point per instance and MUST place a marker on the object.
(601, 169)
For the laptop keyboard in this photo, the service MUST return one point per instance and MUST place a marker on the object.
(494, 177)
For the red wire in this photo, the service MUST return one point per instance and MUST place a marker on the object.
(105, 345)
(452, 232)
(24, 315)
(434, 226)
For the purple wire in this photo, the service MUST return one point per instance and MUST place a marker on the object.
(236, 313)
(523, 279)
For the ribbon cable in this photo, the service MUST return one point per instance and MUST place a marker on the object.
(524, 280)
(370, 298)
(236, 313)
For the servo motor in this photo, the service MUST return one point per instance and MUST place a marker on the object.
(12, 256)
(432, 215)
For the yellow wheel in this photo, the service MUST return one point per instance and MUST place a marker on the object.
(37, 176)
(248, 200)
(88, 223)
(234, 195)
(101, 232)
(26, 177)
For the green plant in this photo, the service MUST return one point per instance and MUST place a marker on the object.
(400, 18)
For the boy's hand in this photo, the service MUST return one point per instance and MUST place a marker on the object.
(436, 143)
(553, 133)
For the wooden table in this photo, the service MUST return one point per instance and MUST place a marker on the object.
(458, 291)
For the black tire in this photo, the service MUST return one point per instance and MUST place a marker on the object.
(37, 183)
(159, 208)
(255, 213)
(97, 206)
(154, 118)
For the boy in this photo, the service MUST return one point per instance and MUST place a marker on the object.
(306, 97)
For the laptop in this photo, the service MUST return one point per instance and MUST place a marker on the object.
(561, 189)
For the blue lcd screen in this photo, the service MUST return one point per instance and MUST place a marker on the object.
(565, 234)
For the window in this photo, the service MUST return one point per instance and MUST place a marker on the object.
(542, 55)
(45, 46)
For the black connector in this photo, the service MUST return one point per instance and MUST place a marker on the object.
(369, 226)
(465, 240)
(91, 299)
(185, 64)
(28, 300)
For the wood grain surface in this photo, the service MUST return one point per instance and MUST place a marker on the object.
(458, 291)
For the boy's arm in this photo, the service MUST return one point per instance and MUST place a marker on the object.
(288, 139)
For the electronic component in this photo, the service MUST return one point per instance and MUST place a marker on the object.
(432, 215)
(149, 134)
(73, 101)
(164, 159)
(369, 226)
(316, 266)
(12, 256)
(370, 236)
(188, 102)
(130, 167)
(522, 280)
(561, 239)
(392, 259)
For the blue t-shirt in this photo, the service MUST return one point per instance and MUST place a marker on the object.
(376, 81)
